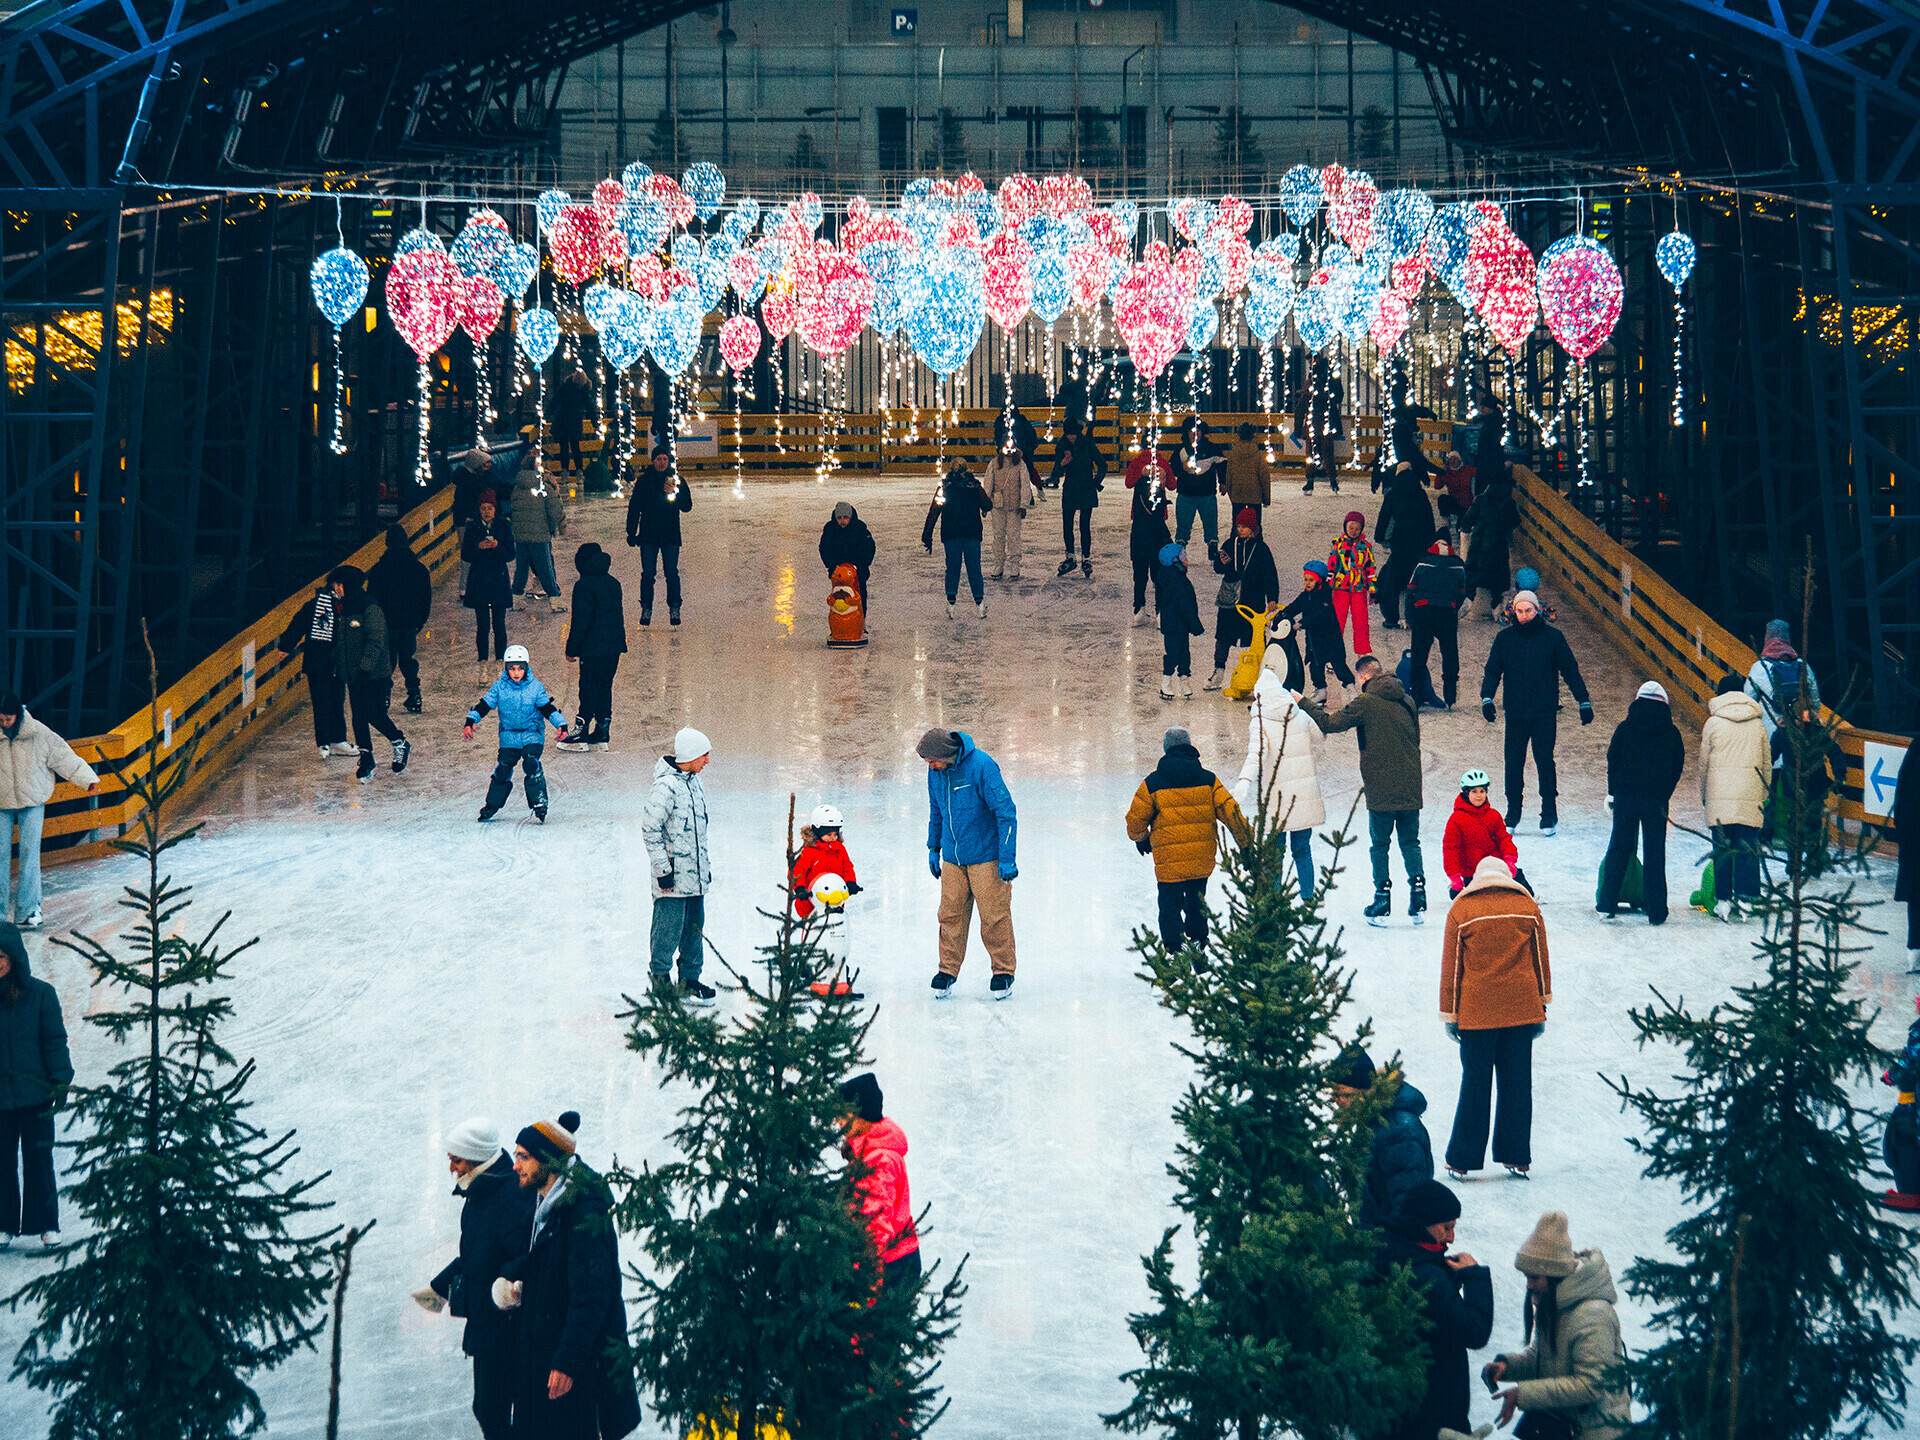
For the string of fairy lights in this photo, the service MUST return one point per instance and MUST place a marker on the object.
(647, 259)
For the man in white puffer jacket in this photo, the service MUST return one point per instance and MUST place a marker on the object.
(32, 758)
(674, 825)
(1279, 768)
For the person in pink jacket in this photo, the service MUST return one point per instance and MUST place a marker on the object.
(886, 1204)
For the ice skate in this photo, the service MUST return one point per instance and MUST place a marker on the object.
(575, 740)
(1913, 961)
(1417, 901)
(1186, 687)
(1457, 1175)
(1066, 568)
(694, 993)
(1086, 568)
(1381, 907)
(487, 812)
(646, 615)
(1549, 819)
(363, 772)
(1142, 617)
(340, 750)
(980, 608)
(412, 705)
(1307, 489)
(1518, 1172)
(951, 613)
(1166, 693)
(601, 736)
(1216, 679)
(942, 985)
(998, 575)
(673, 615)
(1513, 815)
(402, 749)
(1001, 986)
(32, 922)
(1333, 484)
(540, 813)
(1014, 573)
(554, 604)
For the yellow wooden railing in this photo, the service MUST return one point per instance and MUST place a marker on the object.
(212, 702)
(1665, 635)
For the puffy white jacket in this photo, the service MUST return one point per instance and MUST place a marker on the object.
(673, 822)
(31, 760)
(1735, 762)
(1009, 484)
(1280, 764)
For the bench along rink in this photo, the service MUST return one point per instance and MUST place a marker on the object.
(416, 967)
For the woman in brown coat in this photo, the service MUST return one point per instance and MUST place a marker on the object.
(1495, 987)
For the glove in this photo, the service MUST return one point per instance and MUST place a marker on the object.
(928, 547)
(665, 882)
(466, 730)
(506, 1293)
(633, 539)
(801, 892)
(1008, 871)
(1586, 712)
(1486, 709)
(853, 887)
(429, 1301)
(1020, 512)
(1145, 847)
(1455, 884)
(933, 863)
(1453, 1032)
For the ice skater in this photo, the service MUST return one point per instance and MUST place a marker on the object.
(596, 639)
(487, 547)
(823, 872)
(1080, 470)
(654, 509)
(32, 760)
(1175, 817)
(1530, 660)
(524, 705)
(366, 669)
(879, 1147)
(1644, 761)
(1179, 611)
(1312, 614)
(34, 1040)
(958, 507)
(1195, 465)
(1279, 780)
(1009, 484)
(311, 632)
(1249, 578)
(1474, 831)
(1569, 1373)
(673, 822)
(1902, 1143)
(1150, 481)
(971, 829)
(403, 588)
(1401, 1155)
(1351, 578)
(1456, 1293)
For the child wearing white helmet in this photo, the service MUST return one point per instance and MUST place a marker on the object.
(823, 872)
(525, 709)
(1474, 831)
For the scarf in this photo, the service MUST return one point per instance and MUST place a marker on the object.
(1778, 650)
(321, 630)
(547, 1202)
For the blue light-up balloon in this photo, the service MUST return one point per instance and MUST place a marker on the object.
(1400, 219)
(635, 178)
(538, 334)
(1267, 309)
(710, 277)
(339, 280)
(706, 187)
(516, 269)
(894, 294)
(625, 330)
(944, 329)
(1675, 256)
(1126, 218)
(925, 224)
(598, 302)
(548, 207)
(1449, 237)
(479, 247)
(1314, 318)
(418, 238)
(810, 212)
(1052, 286)
(1301, 195)
(645, 222)
(676, 330)
(1202, 322)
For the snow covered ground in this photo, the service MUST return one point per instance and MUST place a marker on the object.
(416, 968)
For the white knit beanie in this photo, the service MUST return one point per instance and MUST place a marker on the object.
(690, 744)
(1652, 690)
(1548, 1251)
(476, 1139)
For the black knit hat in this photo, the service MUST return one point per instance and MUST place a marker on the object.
(863, 1093)
(1427, 1203)
(1354, 1069)
(550, 1141)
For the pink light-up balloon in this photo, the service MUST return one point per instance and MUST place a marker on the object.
(1007, 281)
(1580, 294)
(1500, 277)
(1150, 310)
(420, 289)
(834, 300)
(578, 240)
(739, 342)
(477, 303)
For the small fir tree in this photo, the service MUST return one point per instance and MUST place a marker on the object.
(1291, 1329)
(189, 1278)
(764, 1307)
(1775, 1311)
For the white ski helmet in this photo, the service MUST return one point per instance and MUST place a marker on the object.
(824, 817)
(830, 890)
(516, 655)
(1474, 780)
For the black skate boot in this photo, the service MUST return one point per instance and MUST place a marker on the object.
(365, 768)
(1066, 567)
(601, 736)
(487, 812)
(1513, 815)
(1549, 818)
(1086, 568)
(575, 739)
(1382, 905)
(412, 705)
(1002, 986)
(1417, 900)
(402, 748)
(673, 614)
(942, 985)
(694, 993)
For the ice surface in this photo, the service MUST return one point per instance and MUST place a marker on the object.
(416, 968)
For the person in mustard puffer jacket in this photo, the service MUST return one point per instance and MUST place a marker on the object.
(1173, 817)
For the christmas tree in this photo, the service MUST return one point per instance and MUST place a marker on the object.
(189, 1278)
(765, 1307)
(1775, 1311)
(1290, 1328)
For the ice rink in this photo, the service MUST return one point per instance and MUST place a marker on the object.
(415, 967)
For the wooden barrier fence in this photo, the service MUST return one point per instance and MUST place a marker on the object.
(224, 701)
(1668, 636)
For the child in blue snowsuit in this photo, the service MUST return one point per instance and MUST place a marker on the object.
(1902, 1145)
(523, 704)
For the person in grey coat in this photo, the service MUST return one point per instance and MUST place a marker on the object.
(538, 519)
(674, 824)
(34, 1069)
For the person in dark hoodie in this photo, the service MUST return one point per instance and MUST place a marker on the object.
(654, 509)
(574, 1374)
(1311, 613)
(1405, 527)
(1490, 521)
(403, 589)
(596, 640)
(1247, 577)
(487, 547)
(1435, 591)
(1458, 1291)
(1644, 761)
(958, 508)
(366, 669)
(34, 1069)
(846, 540)
(1080, 469)
(1179, 611)
(1531, 658)
(311, 631)
(1402, 1154)
(496, 1217)
(1151, 483)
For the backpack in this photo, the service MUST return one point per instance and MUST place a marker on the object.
(1783, 679)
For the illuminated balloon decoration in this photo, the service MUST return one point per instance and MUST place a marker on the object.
(1500, 277)
(1580, 294)
(706, 187)
(477, 303)
(1675, 255)
(1351, 201)
(740, 343)
(538, 335)
(339, 280)
(1301, 195)
(548, 207)
(420, 302)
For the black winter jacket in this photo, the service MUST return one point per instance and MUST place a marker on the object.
(496, 1219)
(1251, 563)
(958, 510)
(1532, 659)
(1025, 438)
(403, 589)
(653, 519)
(851, 544)
(1179, 606)
(316, 656)
(1311, 612)
(360, 648)
(1189, 481)
(1438, 582)
(599, 627)
(1489, 459)
(1406, 516)
(33, 1037)
(1079, 467)
(1460, 1307)
(1149, 532)
(1492, 519)
(488, 582)
(1646, 755)
(572, 1317)
(1402, 1157)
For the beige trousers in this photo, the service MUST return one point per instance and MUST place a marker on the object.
(1006, 542)
(961, 886)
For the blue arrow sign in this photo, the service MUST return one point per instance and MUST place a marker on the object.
(1880, 780)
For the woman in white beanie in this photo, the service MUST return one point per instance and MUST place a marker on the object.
(1280, 771)
(1573, 1341)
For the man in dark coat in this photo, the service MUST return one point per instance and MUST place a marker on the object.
(365, 662)
(1080, 469)
(403, 589)
(1491, 521)
(654, 509)
(574, 1377)
(1387, 720)
(34, 1069)
(1402, 1154)
(595, 641)
(1434, 592)
(1458, 1291)
(1025, 438)
(1405, 527)
(496, 1218)
(1644, 761)
(1531, 658)
(846, 540)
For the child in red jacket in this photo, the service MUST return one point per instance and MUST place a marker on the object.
(1475, 831)
(1350, 564)
(823, 856)
(886, 1204)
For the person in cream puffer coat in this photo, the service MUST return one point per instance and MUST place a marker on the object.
(1735, 768)
(1280, 766)
(1574, 1334)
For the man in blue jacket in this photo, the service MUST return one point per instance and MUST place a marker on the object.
(970, 832)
